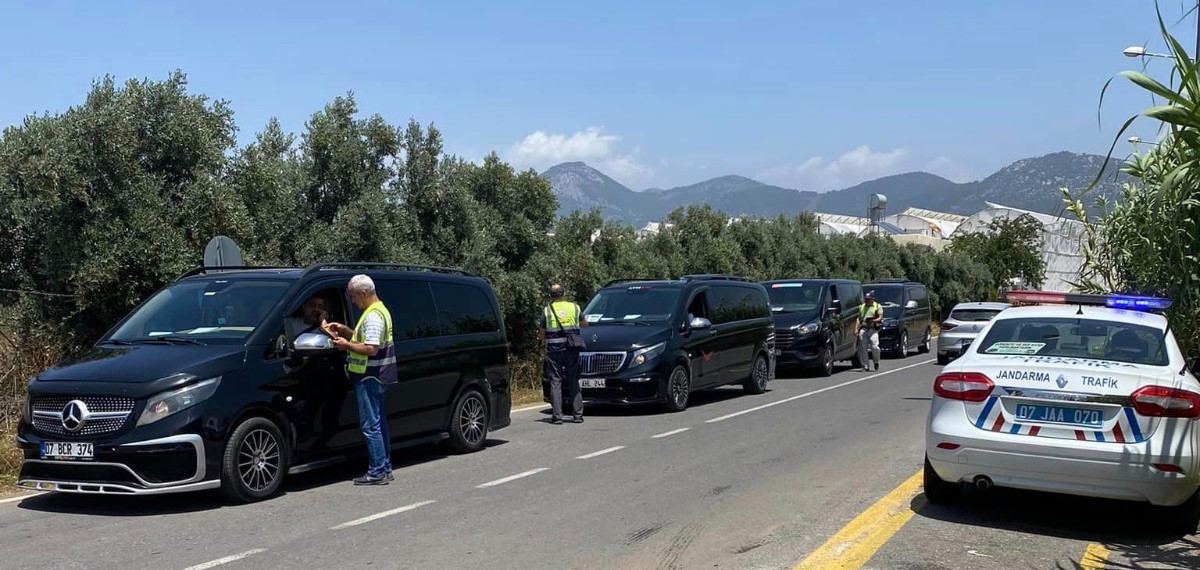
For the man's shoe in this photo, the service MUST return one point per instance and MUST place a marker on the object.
(370, 479)
(556, 421)
(389, 477)
(578, 419)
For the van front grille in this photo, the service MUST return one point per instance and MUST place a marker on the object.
(104, 415)
(600, 362)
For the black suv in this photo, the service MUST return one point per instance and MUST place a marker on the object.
(814, 322)
(220, 366)
(659, 341)
(907, 320)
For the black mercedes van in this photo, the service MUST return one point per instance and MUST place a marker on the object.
(814, 322)
(216, 381)
(907, 316)
(659, 341)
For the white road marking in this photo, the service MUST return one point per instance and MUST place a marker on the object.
(226, 560)
(601, 452)
(378, 516)
(669, 433)
(529, 408)
(21, 497)
(512, 478)
(815, 392)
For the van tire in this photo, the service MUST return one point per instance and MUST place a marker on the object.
(855, 361)
(824, 367)
(468, 423)
(678, 401)
(926, 344)
(256, 440)
(902, 345)
(938, 490)
(760, 373)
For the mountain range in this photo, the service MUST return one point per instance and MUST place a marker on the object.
(1030, 184)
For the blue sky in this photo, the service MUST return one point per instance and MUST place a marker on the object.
(809, 95)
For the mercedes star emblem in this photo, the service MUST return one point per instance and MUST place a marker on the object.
(74, 415)
(595, 337)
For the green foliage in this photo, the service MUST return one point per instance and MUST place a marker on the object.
(1149, 242)
(1011, 248)
(105, 203)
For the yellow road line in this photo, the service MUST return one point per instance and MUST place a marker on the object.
(1094, 558)
(857, 542)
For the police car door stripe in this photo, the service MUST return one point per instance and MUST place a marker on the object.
(1133, 425)
(987, 410)
(999, 422)
(1116, 432)
(1099, 436)
(1016, 428)
(1079, 435)
(1034, 430)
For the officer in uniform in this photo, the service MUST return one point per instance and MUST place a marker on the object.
(870, 318)
(560, 321)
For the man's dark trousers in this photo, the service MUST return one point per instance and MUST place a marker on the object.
(562, 369)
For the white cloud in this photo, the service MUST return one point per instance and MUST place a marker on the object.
(853, 167)
(541, 150)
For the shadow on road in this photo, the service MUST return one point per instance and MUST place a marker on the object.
(696, 400)
(136, 506)
(1134, 532)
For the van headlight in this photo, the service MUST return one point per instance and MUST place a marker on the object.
(644, 355)
(806, 329)
(169, 403)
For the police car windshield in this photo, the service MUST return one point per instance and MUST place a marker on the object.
(640, 303)
(1076, 338)
(800, 297)
(217, 310)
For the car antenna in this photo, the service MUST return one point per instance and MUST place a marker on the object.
(1079, 313)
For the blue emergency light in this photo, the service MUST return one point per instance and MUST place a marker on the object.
(1115, 301)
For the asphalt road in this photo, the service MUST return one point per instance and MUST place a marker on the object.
(816, 473)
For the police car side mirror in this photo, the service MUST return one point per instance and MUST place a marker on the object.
(310, 344)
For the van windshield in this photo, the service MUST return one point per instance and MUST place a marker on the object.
(638, 304)
(795, 297)
(1077, 338)
(218, 310)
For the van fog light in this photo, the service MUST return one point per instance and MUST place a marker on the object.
(639, 379)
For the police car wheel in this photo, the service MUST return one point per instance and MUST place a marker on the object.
(679, 386)
(469, 424)
(255, 461)
(926, 344)
(938, 490)
(902, 347)
(759, 374)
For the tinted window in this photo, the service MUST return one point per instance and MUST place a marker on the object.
(889, 295)
(644, 303)
(411, 306)
(1076, 338)
(208, 310)
(851, 295)
(798, 297)
(917, 293)
(737, 304)
(464, 309)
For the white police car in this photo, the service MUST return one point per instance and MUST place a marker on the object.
(1082, 394)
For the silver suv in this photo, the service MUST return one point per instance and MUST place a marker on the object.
(965, 322)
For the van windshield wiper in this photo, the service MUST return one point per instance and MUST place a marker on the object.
(625, 322)
(166, 339)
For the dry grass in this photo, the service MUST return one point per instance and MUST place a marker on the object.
(526, 379)
(21, 357)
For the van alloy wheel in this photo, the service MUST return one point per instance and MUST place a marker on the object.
(827, 360)
(679, 385)
(471, 420)
(258, 460)
(759, 375)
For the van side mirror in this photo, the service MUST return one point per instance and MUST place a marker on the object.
(833, 310)
(309, 344)
(699, 323)
(910, 304)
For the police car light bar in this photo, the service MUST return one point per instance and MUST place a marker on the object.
(1131, 302)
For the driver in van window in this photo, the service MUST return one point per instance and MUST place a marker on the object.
(314, 312)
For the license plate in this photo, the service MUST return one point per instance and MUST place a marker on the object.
(1059, 415)
(591, 382)
(67, 450)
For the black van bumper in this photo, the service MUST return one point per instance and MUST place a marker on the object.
(804, 353)
(641, 389)
(889, 340)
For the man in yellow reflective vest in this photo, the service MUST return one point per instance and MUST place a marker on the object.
(371, 365)
(560, 321)
(870, 317)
